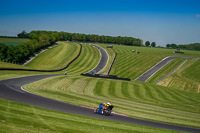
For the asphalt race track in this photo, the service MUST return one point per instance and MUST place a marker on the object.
(155, 68)
(10, 89)
(103, 61)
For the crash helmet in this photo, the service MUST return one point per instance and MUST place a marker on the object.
(108, 103)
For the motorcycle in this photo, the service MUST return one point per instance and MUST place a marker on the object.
(104, 111)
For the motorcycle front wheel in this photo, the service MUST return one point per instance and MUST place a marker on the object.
(96, 110)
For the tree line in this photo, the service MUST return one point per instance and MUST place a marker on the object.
(192, 46)
(147, 43)
(41, 39)
(64, 36)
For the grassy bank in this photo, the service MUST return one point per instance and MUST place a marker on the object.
(140, 100)
(55, 58)
(193, 71)
(22, 118)
(185, 78)
(10, 65)
(171, 66)
(88, 59)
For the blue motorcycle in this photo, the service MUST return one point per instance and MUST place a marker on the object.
(104, 110)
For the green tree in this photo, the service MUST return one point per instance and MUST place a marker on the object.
(147, 43)
(174, 46)
(23, 34)
(168, 45)
(153, 44)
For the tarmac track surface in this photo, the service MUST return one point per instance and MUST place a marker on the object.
(103, 61)
(10, 89)
(156, 68)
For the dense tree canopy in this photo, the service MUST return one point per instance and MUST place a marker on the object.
(153, 44)
(147, 43)
(174, 46)
(192, 46)
(41, 39)
(23, 34)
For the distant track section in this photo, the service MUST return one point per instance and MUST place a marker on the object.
(56, 70)
(155, 68)
(103, 61)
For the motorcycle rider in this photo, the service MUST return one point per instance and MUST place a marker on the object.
(107, 104)
(103, 106)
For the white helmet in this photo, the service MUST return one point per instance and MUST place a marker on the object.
(108, 103)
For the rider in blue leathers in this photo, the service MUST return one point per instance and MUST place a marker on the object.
(103, 106)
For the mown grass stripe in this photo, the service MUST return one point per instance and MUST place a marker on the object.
(124, 88)
(112, 87)
(98, 88)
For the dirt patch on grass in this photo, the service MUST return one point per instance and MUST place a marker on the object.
(165, 82)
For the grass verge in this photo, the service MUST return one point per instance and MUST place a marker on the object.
(22, 118)
(185, 78)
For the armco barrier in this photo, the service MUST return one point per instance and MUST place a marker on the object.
(15, 69)
(112, 63)
(105, 76)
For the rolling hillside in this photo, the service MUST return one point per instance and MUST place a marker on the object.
(131, 65)
(140, 100)
(55, 58)
(136, 99)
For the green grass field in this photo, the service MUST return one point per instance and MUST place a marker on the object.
(186, 78)
(5, 74)
(13, 41)
(172, 65)
(193, 71)
(55, 58)
(22, 118)
(140, 100)
(137, 99)
(88, 59)
(10, 65)
(131, 65)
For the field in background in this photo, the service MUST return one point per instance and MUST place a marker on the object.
(89, 58)
(131, 65)
(10, 65)
(137, 99)
(13, 41)
(55, 58)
